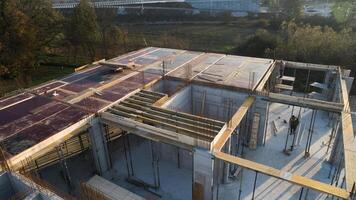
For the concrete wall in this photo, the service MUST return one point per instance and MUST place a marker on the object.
(181, 102)
(260, 107)
(202, 175)
(166, 86)
(6, 190)
(219, 103)
(174, 154)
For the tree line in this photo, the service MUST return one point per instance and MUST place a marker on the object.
(31, 30)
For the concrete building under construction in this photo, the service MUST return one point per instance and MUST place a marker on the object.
(163, 123)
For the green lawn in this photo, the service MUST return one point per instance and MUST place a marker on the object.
(216, 38)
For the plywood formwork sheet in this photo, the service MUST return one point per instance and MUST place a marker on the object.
(172, 62)
(196, 66)
(14, 100)
(236, 71)
(42, 129)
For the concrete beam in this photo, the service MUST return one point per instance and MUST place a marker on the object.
(149, 132)
(307, 66)
(305, 102)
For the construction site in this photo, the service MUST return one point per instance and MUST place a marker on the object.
(162, 123)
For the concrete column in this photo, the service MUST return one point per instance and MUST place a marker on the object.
(261, 108)
(99, 147)
(337, 147)
(226, 171)
(202, 174)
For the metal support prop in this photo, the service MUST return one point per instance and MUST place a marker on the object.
(130, 156)
(266, 125)
(64, 167)
(310, 133)
(129, 166)
(286, 143)
(240, 187)
(254, 186)
(301, 193)
(178, 158)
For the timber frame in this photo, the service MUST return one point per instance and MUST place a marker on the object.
(347, 134)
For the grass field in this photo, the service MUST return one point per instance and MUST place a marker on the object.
(220, 38)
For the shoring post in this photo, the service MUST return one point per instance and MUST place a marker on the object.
(301, 193)
(254, 186)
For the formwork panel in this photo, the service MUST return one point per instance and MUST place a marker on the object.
(15, 99)
(22, 109)
(47, 87)
(91, 104)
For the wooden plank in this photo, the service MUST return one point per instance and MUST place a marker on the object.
(286, 176)
(283, 87)
(111, 190)
(348, 138)
(177, 129)
(288, 78)
(167, 120)
(265, 78)
(220, 140)
(161, 101)
(319, 85)
(173, 116)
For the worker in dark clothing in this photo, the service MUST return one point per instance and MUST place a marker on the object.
(282, 65)
(293, 123)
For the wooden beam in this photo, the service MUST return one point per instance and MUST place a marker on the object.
(172, 116)
(265, 78)
(283, 175)
(147, 131)
(161, 101)
(348, 138)
(220, 140)
(167, 120)
(178, 129)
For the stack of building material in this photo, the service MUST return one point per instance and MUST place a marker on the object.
(110, 190)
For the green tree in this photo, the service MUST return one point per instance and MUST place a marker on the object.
(27, 29)
(113, 41)
(83, 30)
(258, 45)
(317, 44)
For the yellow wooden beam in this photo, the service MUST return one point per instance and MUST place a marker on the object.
(161, 101)
(348, 138)
(265, 78)
(231, 125)
(286, 176)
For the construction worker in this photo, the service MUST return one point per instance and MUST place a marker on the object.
(293, 124)
(282, 65)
